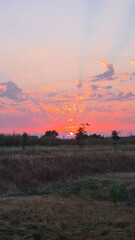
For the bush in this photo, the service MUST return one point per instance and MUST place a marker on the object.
(117, 193)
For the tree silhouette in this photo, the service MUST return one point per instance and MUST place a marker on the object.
(81, 133)
(24, 139)
(115, 135)
(52, 133)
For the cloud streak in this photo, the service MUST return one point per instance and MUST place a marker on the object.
(122, 96)
(107, 75)
(95, 87)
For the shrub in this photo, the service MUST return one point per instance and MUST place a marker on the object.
(117, 193)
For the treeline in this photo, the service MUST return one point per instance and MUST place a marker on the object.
(53, 140)
(45, 140)
(27, 140)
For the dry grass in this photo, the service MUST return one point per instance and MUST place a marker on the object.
(29, 171)
(72, 217)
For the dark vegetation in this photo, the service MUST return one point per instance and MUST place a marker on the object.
(50, 138)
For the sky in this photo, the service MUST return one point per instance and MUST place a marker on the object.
(67, 62)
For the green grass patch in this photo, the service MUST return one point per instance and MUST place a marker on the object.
(117, 193)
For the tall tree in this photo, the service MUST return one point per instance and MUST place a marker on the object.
(115, 135)
(81, 133)
(24, 139)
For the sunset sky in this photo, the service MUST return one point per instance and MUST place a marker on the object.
(67, 62)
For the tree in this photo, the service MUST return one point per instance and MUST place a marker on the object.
(52, 133)
(24, 139)
(115, 135)
(81, 133)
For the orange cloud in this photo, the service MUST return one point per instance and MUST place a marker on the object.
(46, 88)
(127, 89)
(124, 76)
(132, 62)
(105, 63)
(3, 87)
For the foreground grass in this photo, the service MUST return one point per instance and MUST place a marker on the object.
(76, 210)
(62, 193)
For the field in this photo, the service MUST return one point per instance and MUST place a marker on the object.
(67, 193)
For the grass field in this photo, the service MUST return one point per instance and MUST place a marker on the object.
(65, 192)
